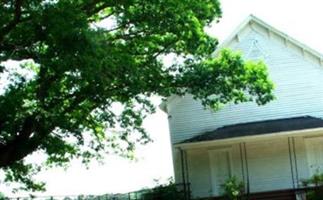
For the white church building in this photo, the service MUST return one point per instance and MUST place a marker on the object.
(270, 148)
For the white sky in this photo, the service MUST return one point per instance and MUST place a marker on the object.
(298, 18)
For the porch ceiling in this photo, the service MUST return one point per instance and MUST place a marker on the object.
(259, 128)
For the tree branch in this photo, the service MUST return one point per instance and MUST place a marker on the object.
(16, 19)
(20, 146)
(93, 8)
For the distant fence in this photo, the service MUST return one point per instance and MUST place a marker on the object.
(65, 197)
(175, 191)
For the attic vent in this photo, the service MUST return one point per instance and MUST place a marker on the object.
(255, 51)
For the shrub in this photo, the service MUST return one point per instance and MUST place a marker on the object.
(168, 191)
(317, 181)
(233, 188)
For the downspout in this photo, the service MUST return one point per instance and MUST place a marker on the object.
(242, 164)
(295, 160)
(291, 161)
(183, 170)
(247, 170)
(187, 177)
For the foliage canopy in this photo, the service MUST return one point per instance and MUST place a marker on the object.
(78, 71)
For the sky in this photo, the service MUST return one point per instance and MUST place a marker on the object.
(299, 19)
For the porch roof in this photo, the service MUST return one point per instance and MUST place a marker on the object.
(259, 128)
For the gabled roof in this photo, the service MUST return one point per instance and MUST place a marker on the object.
(256, 24)
(259, 128)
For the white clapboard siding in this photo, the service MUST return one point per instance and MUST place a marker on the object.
(269, 165)
(268, 161)
(298, 90)
(199, 173)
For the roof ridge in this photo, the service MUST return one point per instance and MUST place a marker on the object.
(252, 18)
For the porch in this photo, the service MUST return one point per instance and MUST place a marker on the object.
(287, 194)
(268, 164)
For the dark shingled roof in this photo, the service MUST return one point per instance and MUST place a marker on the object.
(259, 128)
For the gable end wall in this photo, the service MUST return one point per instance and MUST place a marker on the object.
(298, 83)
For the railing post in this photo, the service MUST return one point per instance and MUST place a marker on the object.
(247, 170)
(183, 173)
(189, 191)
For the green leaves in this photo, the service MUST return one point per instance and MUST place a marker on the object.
(23, 173)
(233, 188)
(81, 72)
(227, 78)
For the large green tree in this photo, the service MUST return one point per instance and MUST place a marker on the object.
(80, 70)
